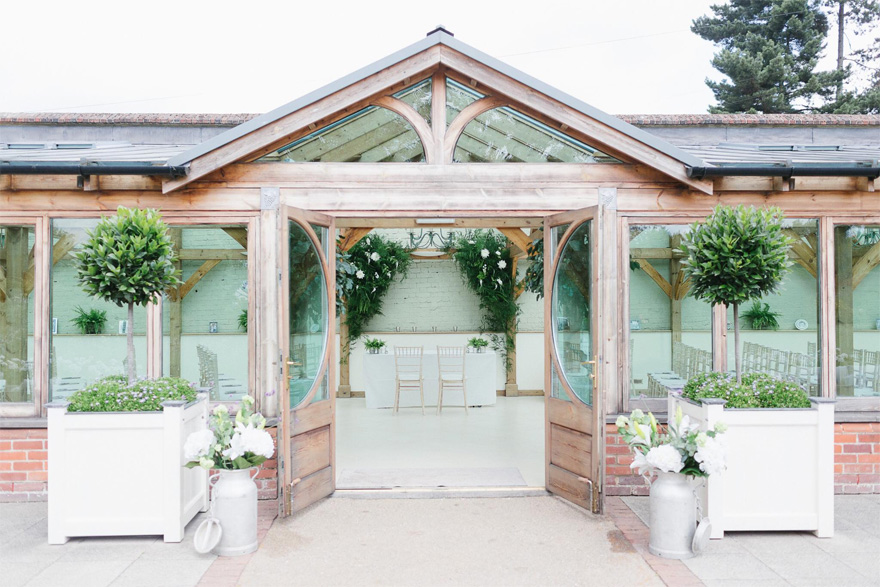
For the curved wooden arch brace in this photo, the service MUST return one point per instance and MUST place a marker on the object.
(419, 124)
(470, 112)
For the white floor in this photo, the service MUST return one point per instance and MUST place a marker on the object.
(509, 435)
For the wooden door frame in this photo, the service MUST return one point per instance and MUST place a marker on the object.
(309, 415)
(603, 321)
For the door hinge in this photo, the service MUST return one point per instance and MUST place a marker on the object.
(279, 276)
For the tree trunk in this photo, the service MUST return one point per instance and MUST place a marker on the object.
(736, 353)
(841, 21)
(129, 333)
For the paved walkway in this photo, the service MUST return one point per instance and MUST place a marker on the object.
(489, 541)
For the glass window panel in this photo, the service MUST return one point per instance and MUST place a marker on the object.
(77, 359)
(503, 135)
(419, 97)
(203, 338)
(16, 313)
(857, 284)
(789, 352)
(309, 315)
(670, 337)
(371, 135)
(571, 313)
(458, 97)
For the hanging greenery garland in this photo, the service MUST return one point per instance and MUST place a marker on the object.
(483, 257)
(371, 267)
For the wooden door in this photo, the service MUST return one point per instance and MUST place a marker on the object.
(307, 334)
(574, 414)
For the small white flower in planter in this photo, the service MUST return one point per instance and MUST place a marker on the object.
(375, 256)
(484, 253)
(502, 264)
(359, 274)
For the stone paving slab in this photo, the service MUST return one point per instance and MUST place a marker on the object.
(508, 541)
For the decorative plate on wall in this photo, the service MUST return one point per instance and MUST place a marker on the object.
(801, 324)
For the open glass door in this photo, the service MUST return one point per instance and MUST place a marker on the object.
(308, 280)
(574, 414)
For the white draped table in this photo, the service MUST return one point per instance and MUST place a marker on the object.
(479, 369)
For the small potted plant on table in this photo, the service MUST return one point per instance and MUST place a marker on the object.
(478, 344)
(374, 345)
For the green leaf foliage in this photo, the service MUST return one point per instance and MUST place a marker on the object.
(760, 317)
(758, 390)
(90, 321)
(128, 258)
(736, 255)
(483, 258)
(769, 51)
(114, 394)
(376, 262)
(533, 281)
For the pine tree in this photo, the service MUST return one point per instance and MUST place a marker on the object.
(769, 51)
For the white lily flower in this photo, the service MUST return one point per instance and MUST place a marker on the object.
(359, 274)
(484, 253)
(375, 256)
(502, 264)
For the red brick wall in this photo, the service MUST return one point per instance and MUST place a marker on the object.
(856, 461)
(24, 472)
(857, 458)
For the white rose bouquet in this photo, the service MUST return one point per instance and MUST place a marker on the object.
(228, 444)
(683, 448)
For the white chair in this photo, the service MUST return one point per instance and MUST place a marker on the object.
(450, 369)
(408, 373)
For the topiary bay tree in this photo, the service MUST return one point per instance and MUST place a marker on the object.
(736, 255)
(128, 259)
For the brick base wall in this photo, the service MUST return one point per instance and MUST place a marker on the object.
(24, 474)
(857, 458)
(856, 461)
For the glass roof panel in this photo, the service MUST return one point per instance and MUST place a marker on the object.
(372, 135)
(419, 97)
(503, 135)
(458, 97)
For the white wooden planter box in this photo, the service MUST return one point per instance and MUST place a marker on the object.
(122, 473)
(780, 467)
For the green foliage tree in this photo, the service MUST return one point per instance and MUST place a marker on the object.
(375, 263)
(128, 259)
(483, 258)
(736, 255)
(853, 17)
(769, 52)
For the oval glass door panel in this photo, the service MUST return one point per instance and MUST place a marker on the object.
(572, 336)
(308, 314)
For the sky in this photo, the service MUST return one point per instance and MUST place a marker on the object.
(623, 57)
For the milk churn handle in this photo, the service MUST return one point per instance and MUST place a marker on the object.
(256, 472)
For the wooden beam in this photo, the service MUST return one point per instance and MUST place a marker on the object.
(547, 109)
(438, 113)
(397, 221)
(419, 124)
(175, 311)
(676, 274)
(517, 237)
(805, 255)
(196, 277)
(239, 234)
(287, 127)
(653, 274)
(865, 264)
(843, 283)
(464, 117)
(351, 237)
(205, 254)
(59, 250)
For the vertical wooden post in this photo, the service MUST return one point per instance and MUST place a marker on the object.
(719, 338)
(843, 262)
(438, 115)
(269, 312)
(344, 389)
(511, 388)
(13, 345)
(675, 280)
(175, 310)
